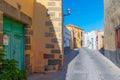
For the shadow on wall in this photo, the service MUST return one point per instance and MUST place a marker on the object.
(47, 53)
(102, 50)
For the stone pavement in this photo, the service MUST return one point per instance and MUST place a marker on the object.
(91, 65)
(69, 55)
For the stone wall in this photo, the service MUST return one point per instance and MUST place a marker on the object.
(112, 20)
(48, 33)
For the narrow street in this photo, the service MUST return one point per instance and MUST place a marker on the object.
(91, 65)
(59, 39)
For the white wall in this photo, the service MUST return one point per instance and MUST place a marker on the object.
(90, 40)
(67, 38)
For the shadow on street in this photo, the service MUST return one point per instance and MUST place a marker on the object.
(60, 75)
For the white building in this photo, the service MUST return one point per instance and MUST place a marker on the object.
(90, 40)
(94, 40)
(67, 37)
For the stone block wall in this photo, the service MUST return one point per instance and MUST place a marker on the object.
(112, 20)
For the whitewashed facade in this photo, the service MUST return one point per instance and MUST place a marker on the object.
(90, 39)
(67, 37)
(94, 40)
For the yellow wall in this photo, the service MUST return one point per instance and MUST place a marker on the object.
(100, 42)
(76, 36)
(26, 5)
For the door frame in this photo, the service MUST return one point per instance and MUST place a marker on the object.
(12, 25)
(25, 19)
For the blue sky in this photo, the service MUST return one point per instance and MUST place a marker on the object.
(87, 14)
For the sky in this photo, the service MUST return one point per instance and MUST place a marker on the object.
(86, 14)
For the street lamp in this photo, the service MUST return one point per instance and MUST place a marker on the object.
(68, 12)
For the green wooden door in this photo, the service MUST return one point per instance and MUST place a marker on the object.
(13, 30)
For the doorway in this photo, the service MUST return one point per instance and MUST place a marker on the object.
(13, 40)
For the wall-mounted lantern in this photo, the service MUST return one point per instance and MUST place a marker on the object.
(68, 12)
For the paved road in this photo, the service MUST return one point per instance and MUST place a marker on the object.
(60, 75)
(91, 65)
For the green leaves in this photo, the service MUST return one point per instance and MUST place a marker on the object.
(9, 70)
(2, 55)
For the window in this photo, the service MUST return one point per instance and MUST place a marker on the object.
(118, 38)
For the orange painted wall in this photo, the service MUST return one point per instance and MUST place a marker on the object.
(26, 5)
(44, 33)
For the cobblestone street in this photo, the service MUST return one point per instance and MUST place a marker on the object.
(91, 65)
